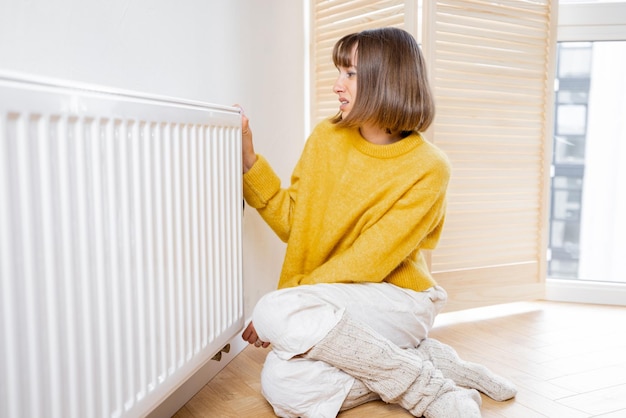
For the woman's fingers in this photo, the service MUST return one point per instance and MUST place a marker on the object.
(247, 147)
(250, 335)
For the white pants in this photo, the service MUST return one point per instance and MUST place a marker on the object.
(295, 319)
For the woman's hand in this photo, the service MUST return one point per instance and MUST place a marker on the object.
(250, 335)
(247, 147)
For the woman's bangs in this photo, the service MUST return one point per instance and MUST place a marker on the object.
(342, 53)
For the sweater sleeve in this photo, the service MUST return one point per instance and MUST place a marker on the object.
(262, 191)
(414, 222)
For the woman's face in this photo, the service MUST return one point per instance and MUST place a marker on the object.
(345, 86)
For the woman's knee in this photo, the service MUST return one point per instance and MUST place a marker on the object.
(273, 309)
(294, 319)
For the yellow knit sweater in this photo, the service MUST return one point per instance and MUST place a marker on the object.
(355, 211)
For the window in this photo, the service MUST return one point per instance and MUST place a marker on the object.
(586, 248)
(568, 161)
(588, 184)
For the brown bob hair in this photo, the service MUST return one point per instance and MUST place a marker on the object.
(392, 85)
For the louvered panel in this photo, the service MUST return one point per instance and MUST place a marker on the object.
(490, 67)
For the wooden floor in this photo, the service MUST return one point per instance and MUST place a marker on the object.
(568, 361)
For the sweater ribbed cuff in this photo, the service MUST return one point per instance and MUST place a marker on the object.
(260, 183)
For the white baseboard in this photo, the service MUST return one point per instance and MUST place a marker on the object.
(195, 383)
(602, 293)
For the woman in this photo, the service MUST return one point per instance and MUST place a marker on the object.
(355, 300)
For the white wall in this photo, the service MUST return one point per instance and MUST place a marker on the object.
(236, 51)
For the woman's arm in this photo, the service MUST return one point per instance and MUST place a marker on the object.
(262, 186)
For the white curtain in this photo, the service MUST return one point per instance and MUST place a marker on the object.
(603, 225)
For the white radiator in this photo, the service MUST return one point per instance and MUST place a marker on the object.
(120, 246)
